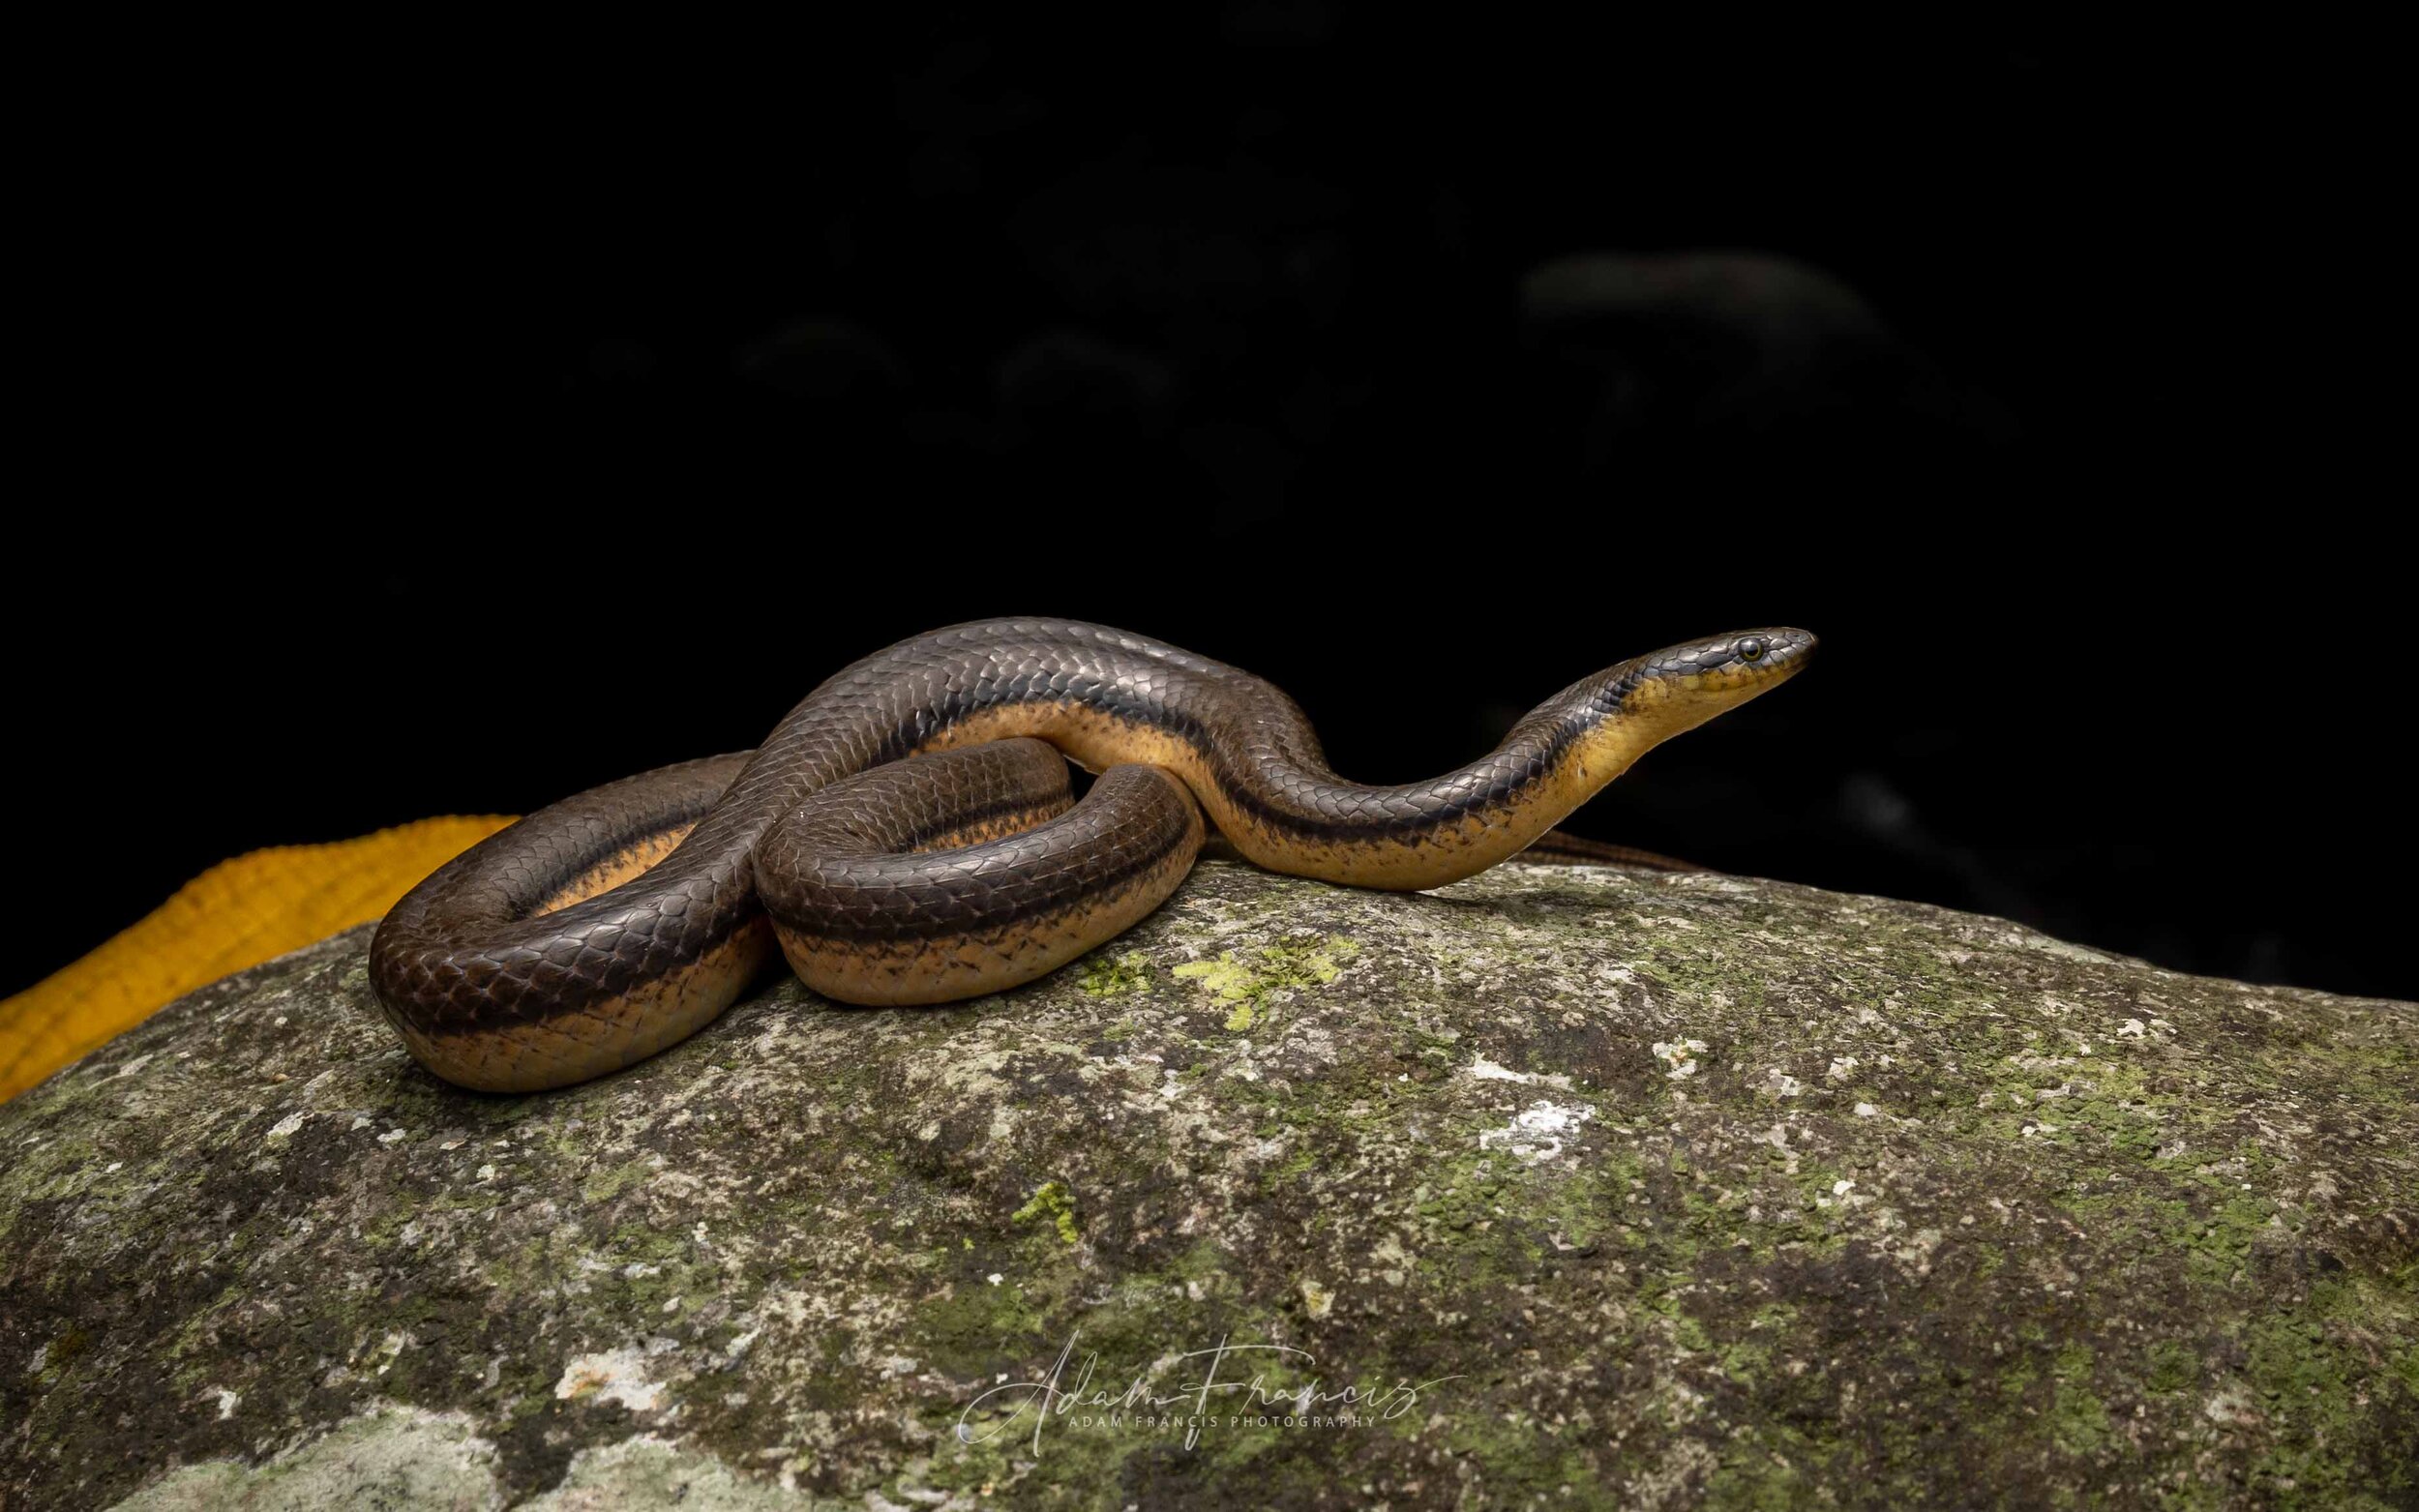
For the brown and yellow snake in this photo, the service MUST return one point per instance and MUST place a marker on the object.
(608, 925)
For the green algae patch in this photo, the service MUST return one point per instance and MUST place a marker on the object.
(1245, 982)
(1104, 975)
(1051, 1203)
(1556, 1187)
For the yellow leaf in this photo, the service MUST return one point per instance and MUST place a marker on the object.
(237, 914)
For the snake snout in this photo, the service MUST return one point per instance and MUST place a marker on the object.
(1784, 647)
(1758, 656)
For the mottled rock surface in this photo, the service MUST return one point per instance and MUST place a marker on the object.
(1561, 1186)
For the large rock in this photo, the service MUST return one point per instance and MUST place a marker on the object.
(1562, 1186)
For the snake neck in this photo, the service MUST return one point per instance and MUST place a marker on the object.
(1425, 835)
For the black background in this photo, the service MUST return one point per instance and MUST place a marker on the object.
(432, 438)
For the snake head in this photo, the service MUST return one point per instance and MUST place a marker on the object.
(1741, 664)
(1653, 698)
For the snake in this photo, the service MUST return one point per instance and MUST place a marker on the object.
(909, 834)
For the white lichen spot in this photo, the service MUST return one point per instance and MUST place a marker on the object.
(736, 1351)
(1843, 1188)
(360, 1121)
(995, 1278)
(284, 1127)
(1316, 1298)
(1679, 1058)
(1536, 1133)
(636, 1268)
(2131, 1030)
(1916, 1250)
(1485, 1070)
(135, 1066)
(1867, 1110)
(1841, 1068)
(614, 1375)
(391, 1348)
(1394, 1261)
(393, 1136)
(114, 1167)
(487, 1172)
(1782, 1083)
(42, 1357)
(2232, 1407)
(227, 1401)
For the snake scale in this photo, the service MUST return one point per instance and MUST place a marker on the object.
(908, 833)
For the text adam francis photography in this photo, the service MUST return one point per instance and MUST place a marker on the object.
(1193, 1398)
(1271, 754)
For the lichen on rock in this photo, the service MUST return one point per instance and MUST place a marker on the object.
(1561, 1183)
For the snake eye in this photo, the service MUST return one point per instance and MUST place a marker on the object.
(1750, 649)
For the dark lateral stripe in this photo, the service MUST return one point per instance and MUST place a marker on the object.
(967, 818)
(1188, 730)
(581, 993)
(1078, 889)
(636, 830)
